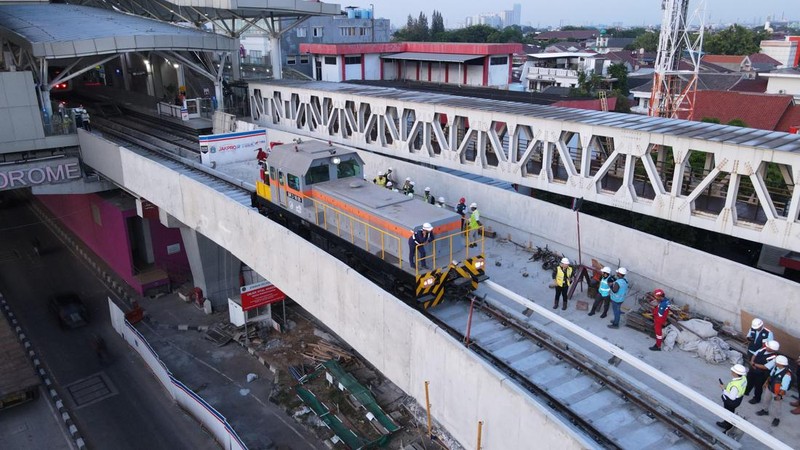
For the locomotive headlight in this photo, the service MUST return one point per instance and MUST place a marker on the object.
(427, 282)
(336, 160)
(479, 263)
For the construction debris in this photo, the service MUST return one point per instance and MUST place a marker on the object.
(323, 351)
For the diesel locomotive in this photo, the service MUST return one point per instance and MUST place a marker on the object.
(319, 191)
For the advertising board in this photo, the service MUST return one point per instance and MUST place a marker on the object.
(260, 294)
(231, 147)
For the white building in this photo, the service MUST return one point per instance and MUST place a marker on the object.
(784, 81)
(562, 69)
(785, 52)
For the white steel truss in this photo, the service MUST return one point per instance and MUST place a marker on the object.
(737, 181)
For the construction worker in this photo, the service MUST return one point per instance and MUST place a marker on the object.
(780, 378)
(407, 188)
(416, 243)
(427, 196)
(619, 288)
(603, 292)
(759, 370)
(390, 176)
(563, 277)
(758, 336)
(660, 316)
(461, 207)
(390, 186)
(440, 202)
(380, 180)
(733, 393)
(474, 224)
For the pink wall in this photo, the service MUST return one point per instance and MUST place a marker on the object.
(102, 226)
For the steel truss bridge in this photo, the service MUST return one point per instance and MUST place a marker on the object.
(732, 180)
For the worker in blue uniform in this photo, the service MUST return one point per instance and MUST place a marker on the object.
(618, 291)
(417, 242)
(757, 336)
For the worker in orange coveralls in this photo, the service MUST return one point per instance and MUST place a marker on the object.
(660, 315)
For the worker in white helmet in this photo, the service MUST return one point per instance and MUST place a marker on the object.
(759, 370)
(563, 277)
(380, 180)
(440, 202)
(475, 225)
(603, 292)
(758, 336)
(416, 246)
(618, 291)
(390, 175)
(780, 378)
(407, 186)
(733, 392)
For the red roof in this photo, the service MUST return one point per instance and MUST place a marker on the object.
(762, 58)
(757, 85)
(762, 111)
(593, 105)
(790, 119)
(461, 48)
(723, 59)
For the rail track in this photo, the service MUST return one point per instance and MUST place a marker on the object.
(591, 395)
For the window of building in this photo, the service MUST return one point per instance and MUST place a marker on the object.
(291, 60)
(498, 60)
(330, 60)
(254, 53)
(352, 60)
(364, 31)
(316, 32)
(303, 59)
(347, 31)
(301, 32)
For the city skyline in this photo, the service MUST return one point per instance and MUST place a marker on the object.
(582, 12)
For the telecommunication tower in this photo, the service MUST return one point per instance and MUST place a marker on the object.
(674, 89)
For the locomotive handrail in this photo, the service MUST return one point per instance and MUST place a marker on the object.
(451, 254)
(352, 219)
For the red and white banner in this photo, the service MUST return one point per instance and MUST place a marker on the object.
(260, 294)
(232, 147)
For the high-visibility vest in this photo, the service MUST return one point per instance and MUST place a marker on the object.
(740, 384)
(619, 296)
(560, 281)
(604, 289)
(474, 218)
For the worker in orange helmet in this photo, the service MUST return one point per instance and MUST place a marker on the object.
(660, 316)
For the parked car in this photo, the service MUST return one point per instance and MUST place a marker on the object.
(70, 310)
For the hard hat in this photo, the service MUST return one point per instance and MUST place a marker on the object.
(413, 184)
(774, 345)
(659, 293)
(474, 205)
(739, 369)
(462, 200)
(757, 323)
(380, 173)
(564, 260)
(781, 360)
(427, 189)
(441, 199)
(606, 269)
(427, 227)
(408, 178)
(622, 271)
(389, 184)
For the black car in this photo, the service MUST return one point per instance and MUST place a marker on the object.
(70, 310)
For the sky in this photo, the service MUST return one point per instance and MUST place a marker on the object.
(541, 13)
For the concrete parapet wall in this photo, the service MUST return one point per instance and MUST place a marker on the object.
(711, 285)
(398, 340)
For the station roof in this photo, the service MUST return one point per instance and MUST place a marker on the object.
(764, 139)
(439, 48)
(56, 31)
(202, 11)
(436, 57)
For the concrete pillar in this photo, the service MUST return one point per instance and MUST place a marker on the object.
(236, 63)
(126, 76)
(180, 74)
(275, 55)
(151, 88)
(214, 269)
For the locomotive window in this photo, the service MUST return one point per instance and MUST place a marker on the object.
(280, 177)
(317, 174)
(273, 173)
(293, 182)
(348, 168)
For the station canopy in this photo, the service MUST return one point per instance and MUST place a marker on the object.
(59, 31)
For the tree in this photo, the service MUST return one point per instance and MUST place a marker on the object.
(648, 41)
(620, 72)
(735, 40)
(421, 27)
(437, 24)
(710, 120)
(587, 83)
(736, 123)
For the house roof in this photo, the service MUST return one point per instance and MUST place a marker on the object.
(762, 111)
(619, 42)
(758, 85)
(763, 58)
(705, 82)
(622, 56)
(462, 48)
(790, 119)
(578, 35)
(723, 59)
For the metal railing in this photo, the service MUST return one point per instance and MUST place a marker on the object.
(453, 244)
(56, 125)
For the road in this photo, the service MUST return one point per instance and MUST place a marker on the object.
(118, 404)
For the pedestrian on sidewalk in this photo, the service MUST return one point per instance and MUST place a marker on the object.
(603, 293)
(563, 277)
(618, 291)
(733, 393)
(780, 378)
(757, 336)
(461, 209)
(660, 316)
(759, 370)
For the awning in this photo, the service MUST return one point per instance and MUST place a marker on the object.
(436, 57)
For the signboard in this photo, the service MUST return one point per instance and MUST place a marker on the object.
(232, 147)
(184, 114)
(260, 294)
(38, 173)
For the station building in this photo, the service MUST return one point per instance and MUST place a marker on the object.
(465, 64)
